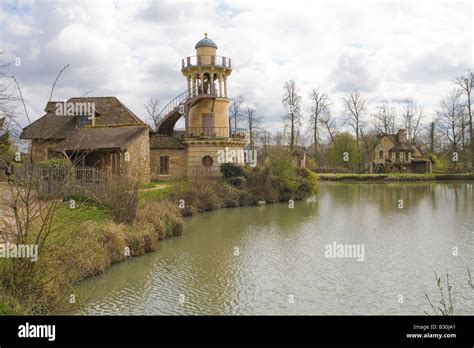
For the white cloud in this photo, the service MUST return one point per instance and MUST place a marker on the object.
(387, 50)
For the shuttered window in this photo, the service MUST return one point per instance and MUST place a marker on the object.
(164, 164)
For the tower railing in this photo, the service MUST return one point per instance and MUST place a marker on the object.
(178, 100)
(206, 60)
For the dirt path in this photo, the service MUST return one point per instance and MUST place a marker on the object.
(157, 187)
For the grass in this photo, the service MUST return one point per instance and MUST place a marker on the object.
(393, 177)
(155, 194)
(81, 242)
(153, 184)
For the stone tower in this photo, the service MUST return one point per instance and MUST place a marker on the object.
(206, 112)
(206, 75)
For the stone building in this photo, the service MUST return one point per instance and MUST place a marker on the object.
(98, 132)
(393, 153)
(102, 133)
(205, 109)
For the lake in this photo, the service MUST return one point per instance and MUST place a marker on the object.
(276, 260)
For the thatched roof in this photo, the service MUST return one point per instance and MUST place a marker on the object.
(109, 111)
(49, 126)
(101, 138)
(402, 147)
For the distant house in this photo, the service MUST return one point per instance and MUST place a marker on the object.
(393, 153)
(98, 132)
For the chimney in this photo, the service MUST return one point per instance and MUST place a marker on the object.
(402, 136)
(51, 106)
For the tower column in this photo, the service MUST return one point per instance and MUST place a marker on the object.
(225, 86)
(202, 83)
(194, 85)
(211, 81)
(219, 79)
(189, 86)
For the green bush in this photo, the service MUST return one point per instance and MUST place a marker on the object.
(307, 183)
(283, 173)
(260, 186)
(344, 143)
(231, 170)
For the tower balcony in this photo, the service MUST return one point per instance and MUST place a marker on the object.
(206, 61)
(211, 133)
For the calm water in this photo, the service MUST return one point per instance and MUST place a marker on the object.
(280, 265)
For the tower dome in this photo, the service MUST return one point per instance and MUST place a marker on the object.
(206, 42)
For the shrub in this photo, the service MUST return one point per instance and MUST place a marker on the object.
(260, 186)
(231, 170)
(283, 173)
(121, 197)
(307, 183)
(238, 181)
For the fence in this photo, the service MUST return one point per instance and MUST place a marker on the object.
(64, 180)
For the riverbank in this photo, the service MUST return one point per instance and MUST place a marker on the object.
(86, 241)
(395, 177)
(246, 261)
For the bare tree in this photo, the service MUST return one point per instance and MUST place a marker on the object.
(279, 138)
(412, 114)
(320, 106)
(330, 124)
(235, 113)
(355, 108)
(152, 109)
(292, 102)
(450, 117)
(384, 119)
(465, 83)
(252, 123)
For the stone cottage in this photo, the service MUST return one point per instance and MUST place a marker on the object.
(98, 132)
(393, 153)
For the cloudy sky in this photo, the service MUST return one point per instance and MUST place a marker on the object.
(388, 50)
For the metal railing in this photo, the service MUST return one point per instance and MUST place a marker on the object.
(218, 61)
(180, 99)
(215, 132)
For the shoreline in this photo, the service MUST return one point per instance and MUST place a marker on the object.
(395, 177)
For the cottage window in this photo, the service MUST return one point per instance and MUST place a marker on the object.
(164, 165)
(381, 154)
(85, 120)
(406, 156)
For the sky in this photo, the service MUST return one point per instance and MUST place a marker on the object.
(387, 50)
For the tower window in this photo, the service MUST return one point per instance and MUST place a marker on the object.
(164, 165)
(207, 161)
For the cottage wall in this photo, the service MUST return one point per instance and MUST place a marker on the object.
(138, 164)
(40, 149)
(177, 163)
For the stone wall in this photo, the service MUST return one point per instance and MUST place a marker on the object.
(177, 163)
(138, 164)
(40, 148)
(199, 149)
